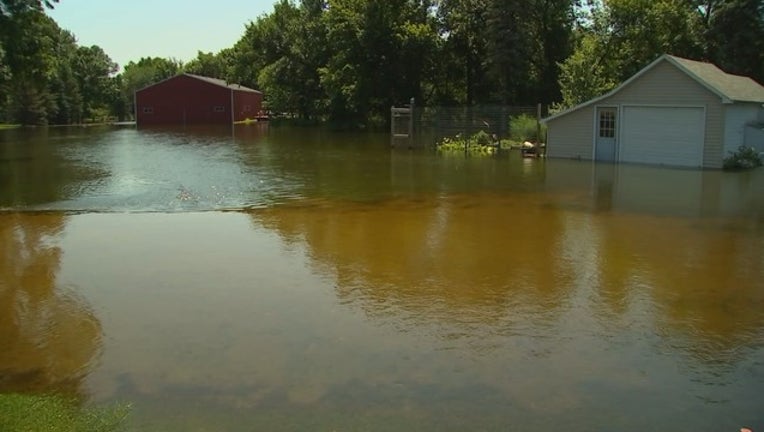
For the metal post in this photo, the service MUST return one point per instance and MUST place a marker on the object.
(411, 122)
(538, 130)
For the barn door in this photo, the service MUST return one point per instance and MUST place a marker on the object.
(605, 146)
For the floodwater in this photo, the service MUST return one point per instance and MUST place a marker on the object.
(294, 279)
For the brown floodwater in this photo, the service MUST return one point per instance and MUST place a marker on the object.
(292, 279)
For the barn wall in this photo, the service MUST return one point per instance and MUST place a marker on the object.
(247, 105)
(183, 100)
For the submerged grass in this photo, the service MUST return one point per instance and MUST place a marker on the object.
(30, 413)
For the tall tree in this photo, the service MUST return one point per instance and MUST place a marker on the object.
(208, 64)
(463, 25)
(735, 37)
(620, 37)
(93, 69)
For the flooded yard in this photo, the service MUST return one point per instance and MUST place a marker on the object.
(296, 279)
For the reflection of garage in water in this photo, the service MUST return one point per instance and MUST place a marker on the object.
(662, 191)
(675, 112)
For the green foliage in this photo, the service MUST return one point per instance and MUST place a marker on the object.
(524, 127)
(350, 60)
(735, 37)
(209, 65)
(585, 74)
(44, 76)
(617, 38)
(743, 158)
(23, 413)
(479, 144)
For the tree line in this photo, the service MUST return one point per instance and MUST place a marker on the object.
(350, 60)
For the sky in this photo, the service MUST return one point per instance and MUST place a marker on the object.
(130, 29)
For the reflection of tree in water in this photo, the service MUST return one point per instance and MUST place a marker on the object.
(34, 169)
(465, 261)
(704, 279)
(49, 337)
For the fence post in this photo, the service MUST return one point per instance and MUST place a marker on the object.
(411, 123)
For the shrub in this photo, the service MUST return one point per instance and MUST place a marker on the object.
(524, 128)
(479, 144)
(743, 158)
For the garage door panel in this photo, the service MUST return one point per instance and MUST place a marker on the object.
(662, 135)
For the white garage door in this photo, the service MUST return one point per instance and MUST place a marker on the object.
(662, 135)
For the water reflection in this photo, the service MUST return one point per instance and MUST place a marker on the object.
(460, 259)
(656, 190)
(35, 168)
(49, 336)
(504, 265)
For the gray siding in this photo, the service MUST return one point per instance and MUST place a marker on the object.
(572, 135)
(663, 85)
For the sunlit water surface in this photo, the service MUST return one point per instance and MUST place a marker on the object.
(282, 279)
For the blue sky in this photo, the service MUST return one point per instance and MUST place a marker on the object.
(130, 29)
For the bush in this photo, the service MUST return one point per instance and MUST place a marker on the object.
(524, 128)
(743, 158)
(479, 144)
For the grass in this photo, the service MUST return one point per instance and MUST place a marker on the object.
(30, 413)
(8, 126)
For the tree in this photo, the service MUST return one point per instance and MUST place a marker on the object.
(208, 64)
(586, 73)
(28, 37)
(620, 37)
(9, 8)
(463, 26)
(64, 88)
(735, 37)
(93, 69)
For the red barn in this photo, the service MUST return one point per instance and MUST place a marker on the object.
(193, 99)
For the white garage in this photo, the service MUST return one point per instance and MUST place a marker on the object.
(674, 112)
(662, 135)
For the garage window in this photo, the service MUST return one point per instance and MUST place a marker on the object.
(607, 124)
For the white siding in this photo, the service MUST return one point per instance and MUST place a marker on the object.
(736, 117)
(662, 135)
(572, 135)
(754, 137)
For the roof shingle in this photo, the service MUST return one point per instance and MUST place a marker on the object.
(736, 88)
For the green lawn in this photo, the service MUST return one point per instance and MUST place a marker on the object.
(56, 414)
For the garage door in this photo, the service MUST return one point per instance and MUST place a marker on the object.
(662, 135)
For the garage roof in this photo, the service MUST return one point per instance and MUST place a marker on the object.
(730, 88)
(734, 88)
